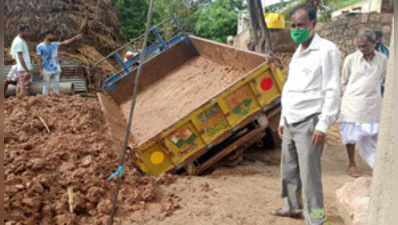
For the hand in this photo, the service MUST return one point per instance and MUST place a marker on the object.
(280, 131)
(318, 138)
(271, 58)
(79, 36)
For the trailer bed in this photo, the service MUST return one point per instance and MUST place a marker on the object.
(193, 97)
(177, 94)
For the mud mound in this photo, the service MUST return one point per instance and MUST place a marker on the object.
(96, 19)
(59, 176)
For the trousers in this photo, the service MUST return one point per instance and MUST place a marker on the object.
(51, 80)
(301, 171)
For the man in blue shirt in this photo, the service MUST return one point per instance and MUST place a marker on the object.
(383, 49)
(49, 66)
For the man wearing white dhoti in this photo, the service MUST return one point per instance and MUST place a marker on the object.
(361, 102)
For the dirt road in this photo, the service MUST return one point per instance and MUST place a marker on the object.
(245, 195)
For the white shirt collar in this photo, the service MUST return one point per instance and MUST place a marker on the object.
(314, 45)
(363, 58)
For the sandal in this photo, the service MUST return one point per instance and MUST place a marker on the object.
(286, 213)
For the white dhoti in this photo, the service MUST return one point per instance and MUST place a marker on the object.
(365, 136)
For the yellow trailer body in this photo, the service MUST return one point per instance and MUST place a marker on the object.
(179, 145)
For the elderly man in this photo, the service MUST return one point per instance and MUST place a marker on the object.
(20, 52)
(310, 101)
(361, 103)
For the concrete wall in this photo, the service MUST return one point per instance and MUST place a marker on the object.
(383, 204)
(343, 30)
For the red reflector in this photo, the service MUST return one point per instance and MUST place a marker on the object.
(266, 84)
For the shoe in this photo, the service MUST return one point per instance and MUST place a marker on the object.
(286, 213)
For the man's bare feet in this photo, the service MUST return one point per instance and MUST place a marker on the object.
(353, 171)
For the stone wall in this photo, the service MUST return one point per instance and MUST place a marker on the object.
(343, 30)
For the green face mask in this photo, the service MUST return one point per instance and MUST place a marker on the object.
(300, 35)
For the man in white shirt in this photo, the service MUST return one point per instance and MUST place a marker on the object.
(129, 56)
(11, 78)
(310, 103)
(20, 52)
(361, 103)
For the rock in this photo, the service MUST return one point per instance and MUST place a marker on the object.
(10, 223)
(38, 188)
(105, 206)
(38, 163)
(86, 161)
(94, 194)
(353, 200)
(63, 219)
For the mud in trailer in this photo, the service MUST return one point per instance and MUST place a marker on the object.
(198, 102)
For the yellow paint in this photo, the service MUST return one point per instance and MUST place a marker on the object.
(210, 121)
(205, 124)
(153, 163)
(157, 158)
(236, 98)
(275, 20)
(181, 153)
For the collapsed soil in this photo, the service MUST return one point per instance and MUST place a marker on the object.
(247, 193)
(76, 154)
(177, 94)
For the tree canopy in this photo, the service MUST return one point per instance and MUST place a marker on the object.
(212, 19)
(218, 20)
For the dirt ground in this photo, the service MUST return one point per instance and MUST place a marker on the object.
(245, 195)
(76, 153)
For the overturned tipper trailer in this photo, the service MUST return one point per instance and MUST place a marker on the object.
(198, 102)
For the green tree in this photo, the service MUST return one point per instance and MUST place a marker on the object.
(183, 9)
(132, 17)
(218, 20)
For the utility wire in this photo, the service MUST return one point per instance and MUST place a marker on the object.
(131, 114)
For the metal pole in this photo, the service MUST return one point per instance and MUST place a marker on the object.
(131, 114)
(131, 41)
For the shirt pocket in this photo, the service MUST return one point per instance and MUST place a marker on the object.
(305, 76)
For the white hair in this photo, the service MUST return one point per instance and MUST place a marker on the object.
(369, 34)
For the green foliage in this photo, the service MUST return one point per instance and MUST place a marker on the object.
(183, 9)
(218, 20)
(132, 16)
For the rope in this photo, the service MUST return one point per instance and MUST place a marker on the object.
(119, 172)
